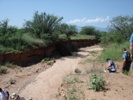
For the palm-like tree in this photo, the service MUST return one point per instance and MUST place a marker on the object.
(42, 24)
(4, 27)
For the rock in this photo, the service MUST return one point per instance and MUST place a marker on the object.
(77, 71)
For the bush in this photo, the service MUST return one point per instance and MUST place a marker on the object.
(12, 81)
(3, 70)
(49, 62)
(112, 38)
(47, 59)
(71, 79)
(96, 83)
(75, 93)
(14, 42)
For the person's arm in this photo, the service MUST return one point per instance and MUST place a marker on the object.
(131, 46)
(6, 95)
(131, 50)
(124, 62)
(108, 65)
(124, 57)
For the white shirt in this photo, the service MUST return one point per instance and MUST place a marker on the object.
(3, 95)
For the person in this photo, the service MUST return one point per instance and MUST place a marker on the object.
(131, 50)
(4, 94)
(111, 66)
(131, 46)
(126, 60)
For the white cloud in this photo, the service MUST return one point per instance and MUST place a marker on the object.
(85, 20)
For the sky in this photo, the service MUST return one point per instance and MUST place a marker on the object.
(97, 13)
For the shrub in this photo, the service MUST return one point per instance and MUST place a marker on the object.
(12, 81)
(72, 93)
(72, 79)
(47, 59)
(3, 70)
(9, 65)
(75, 93)
(49, 62)
(97, 83)
(112, 38)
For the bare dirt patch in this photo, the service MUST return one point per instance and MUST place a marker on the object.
(18, 77)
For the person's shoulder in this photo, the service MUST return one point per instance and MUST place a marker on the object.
(132, 34)
(124, 54)
(131, 38)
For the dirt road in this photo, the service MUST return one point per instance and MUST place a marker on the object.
(45, 85)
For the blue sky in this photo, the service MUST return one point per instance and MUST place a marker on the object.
(76, 12)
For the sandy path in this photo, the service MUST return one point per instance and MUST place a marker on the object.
(45, 86)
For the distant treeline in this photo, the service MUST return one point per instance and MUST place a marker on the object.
(45, 29)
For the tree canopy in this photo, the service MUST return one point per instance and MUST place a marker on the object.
(122, 25)
(42, 24)
(90, 30)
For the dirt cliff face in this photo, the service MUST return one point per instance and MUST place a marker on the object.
(33, 56)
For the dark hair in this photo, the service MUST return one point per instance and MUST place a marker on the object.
(124, 49)
(107, 59)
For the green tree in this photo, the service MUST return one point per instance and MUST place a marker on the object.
(68, 30)
(43, 24)
(6, 29)
(89, 30)
(122, 25)
(3, 27)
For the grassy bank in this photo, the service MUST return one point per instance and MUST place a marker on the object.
(113, 51)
